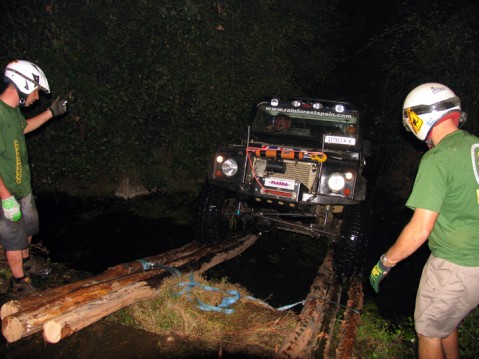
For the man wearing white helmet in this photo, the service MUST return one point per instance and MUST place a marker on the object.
(445, 200)
(19, 217)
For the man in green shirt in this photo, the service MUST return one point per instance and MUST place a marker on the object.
(445, 200)
(19, 217)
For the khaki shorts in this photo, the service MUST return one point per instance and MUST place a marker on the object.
(14, 235)
(447, 293)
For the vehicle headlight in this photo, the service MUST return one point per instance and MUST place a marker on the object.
(229, 167)
(336, 182)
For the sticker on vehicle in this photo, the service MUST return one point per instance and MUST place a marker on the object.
(279, 183)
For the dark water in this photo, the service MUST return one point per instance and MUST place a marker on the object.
(92, 235)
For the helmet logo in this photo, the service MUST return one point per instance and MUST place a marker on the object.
(436, 89)
(414, 120)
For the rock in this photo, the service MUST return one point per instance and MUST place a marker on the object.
(130, 188)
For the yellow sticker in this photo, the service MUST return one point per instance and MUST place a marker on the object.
(414, 120)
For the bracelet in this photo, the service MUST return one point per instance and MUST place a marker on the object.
(385, 261)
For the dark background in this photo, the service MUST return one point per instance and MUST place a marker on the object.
(154, 86)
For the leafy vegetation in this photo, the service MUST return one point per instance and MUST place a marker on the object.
(155, 86)
(468, 335)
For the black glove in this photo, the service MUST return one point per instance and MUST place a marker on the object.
(58, 107)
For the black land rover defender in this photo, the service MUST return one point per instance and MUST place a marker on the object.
(299, 169)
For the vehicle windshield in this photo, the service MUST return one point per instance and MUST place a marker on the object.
(307, 124)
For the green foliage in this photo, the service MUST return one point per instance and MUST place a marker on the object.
(469, 335)
(379, 339)
(154, 86)
(435, 43)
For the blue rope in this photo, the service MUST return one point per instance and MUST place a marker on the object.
(232, 296)
(149, 265)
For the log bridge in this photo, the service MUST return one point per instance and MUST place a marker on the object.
(62, 311)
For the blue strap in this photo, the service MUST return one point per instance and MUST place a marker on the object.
(149, 265)
(286, 307)
(232, 296)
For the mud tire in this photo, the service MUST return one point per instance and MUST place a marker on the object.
(351, 247)
(212, 219)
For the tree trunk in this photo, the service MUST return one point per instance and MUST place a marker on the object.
(14, 306)
(352, 318)
(30, 319)
(323, 295)
(80, 317)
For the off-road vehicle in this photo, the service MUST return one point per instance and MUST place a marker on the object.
(299, 169)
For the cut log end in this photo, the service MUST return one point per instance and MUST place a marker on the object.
(12, 329)
(52, 332)
(10, 307)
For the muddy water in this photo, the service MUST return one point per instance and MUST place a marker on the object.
(92, 235)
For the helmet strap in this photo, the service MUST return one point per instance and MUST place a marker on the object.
(453, 115)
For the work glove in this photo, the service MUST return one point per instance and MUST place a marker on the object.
(378, 273)
(11, 209)
(58, 107)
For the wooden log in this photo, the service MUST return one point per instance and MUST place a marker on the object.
(80, 317)
(321, 345)
(14, 306)
(323, 294)
(31, 319)
(67, 324)
(352, 318)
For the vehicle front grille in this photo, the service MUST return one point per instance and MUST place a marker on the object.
(303, 172)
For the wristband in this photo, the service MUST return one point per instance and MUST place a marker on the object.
(384, 260)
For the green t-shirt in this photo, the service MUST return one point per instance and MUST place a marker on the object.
(14, 167)
(448, 183)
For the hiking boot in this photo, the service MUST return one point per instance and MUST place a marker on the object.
(36, 266)
(23, 288)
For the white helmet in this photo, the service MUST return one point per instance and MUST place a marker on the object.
(426, 105)
(26, 76)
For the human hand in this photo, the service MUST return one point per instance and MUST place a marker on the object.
(58, 107)
(378, 273)
(11, 209)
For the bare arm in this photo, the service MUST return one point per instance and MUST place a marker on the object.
(37, 121)
(414, 234)
(4, 192)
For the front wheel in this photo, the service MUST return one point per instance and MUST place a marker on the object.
(215, 214)
(350, 250)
